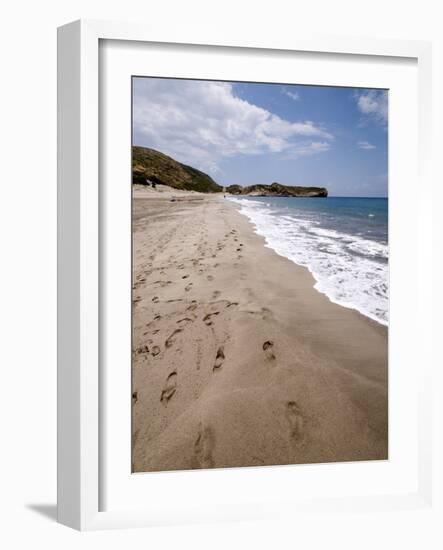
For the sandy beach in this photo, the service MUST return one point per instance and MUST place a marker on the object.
(237, 359)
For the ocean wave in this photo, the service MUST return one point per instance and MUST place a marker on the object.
(351, 270)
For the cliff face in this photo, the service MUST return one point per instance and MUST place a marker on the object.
(148, 164)
(277, 190)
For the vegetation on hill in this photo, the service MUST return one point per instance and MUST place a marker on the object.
(150, 166)
(277, 190)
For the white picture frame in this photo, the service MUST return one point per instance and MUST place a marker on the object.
(79, 261)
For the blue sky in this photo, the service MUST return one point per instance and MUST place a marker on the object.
(247, 133)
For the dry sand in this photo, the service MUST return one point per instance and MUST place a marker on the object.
(237, 359)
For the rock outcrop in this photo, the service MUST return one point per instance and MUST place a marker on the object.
(277, 190)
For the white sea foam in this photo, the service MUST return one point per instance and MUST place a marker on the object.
(351, 270)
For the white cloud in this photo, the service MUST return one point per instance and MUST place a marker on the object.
(307, 148)
(200, 122)
(374, 104)
(366, 145)
(293, 95)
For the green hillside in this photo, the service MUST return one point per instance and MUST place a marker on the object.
(148, 164)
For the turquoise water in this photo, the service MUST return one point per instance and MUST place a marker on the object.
(343, 241)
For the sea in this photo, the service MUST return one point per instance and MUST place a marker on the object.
(343, 241)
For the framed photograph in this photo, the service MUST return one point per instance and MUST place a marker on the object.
(242, 276)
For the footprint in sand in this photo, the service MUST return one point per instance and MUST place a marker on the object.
(204, 447)
(296, 421)
(185, 276)
(142, 349)
(170, 340)
(155, 350)
(169, 388)
(188, 287)
(134, 397)
(185, 320)
(192, 306)
(155, 299)
(215, 294)
(219, 359)
(207, 318)
(210, 277)
(268, 348)
(162, 283)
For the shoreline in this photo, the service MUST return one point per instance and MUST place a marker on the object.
(318, 282)
(238, 360)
